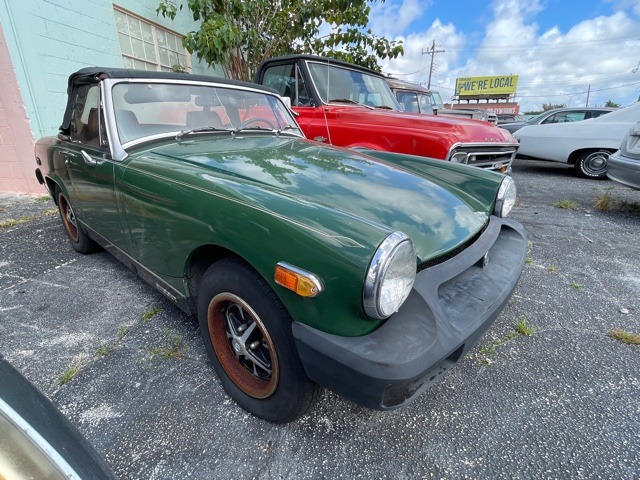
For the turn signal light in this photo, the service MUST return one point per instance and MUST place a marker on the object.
(304, 283)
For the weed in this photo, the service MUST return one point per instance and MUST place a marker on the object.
(50, 212)
(173, 347)
(149, 314)
(603, 202)
(630, 207)
(552, 268)
(566, 204)
(122, 331)
(102, 351)
(12, 222)
(528, 260)
(576, 285)
(625, 337)
(521, 328)
(42, 198)
(68, 374)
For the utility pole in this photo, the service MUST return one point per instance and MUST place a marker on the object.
(588, 92)
(431, 51)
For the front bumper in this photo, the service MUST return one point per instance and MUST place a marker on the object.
(624, 170)
(450, 307)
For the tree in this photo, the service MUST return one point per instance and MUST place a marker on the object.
(550, 106)
(239, 34)
(612, 104)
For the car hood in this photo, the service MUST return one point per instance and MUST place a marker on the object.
(438, 215)
(462, 129)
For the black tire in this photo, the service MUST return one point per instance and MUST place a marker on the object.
(78, 237)
(247, 334)
(592, 164)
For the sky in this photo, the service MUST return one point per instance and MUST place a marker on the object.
(557, 47)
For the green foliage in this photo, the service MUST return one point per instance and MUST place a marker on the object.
(239, 34)
(551, 106)
(566, 204)
(625, 337)
(612, 104)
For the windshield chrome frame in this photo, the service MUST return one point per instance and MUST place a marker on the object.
(119, 150)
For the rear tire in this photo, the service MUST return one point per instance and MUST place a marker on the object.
(78, 237)
(592, 164)
(247, 334)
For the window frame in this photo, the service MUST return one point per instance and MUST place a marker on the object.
(159, 66)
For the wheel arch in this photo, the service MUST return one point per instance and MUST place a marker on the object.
(573, 156)
(200, 260)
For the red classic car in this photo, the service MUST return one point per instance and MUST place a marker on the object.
(350, 106)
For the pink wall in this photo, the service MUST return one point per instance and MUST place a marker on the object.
(17, 163)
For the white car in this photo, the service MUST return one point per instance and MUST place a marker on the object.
(586, 144)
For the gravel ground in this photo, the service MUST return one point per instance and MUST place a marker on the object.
(562, 402)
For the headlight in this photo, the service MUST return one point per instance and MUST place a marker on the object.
(506, 198)
(459, 157)
(390, 276)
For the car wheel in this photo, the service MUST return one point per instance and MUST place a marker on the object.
(80, 241)
(592, 164)
(247, 334)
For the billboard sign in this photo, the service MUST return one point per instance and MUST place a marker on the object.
(498, 85)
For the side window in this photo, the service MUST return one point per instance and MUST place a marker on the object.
(288, 81)
(409, 101)
(425, 104)
(85, 123)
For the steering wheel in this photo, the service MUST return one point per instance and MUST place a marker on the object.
(251, 121)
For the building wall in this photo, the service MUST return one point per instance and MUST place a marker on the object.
(16, 141)
(49, 39)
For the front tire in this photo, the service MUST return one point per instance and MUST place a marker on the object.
(592, 164)
(247, 334)
(78, 237)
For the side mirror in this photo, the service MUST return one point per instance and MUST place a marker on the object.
(287, 102)
(435, 110)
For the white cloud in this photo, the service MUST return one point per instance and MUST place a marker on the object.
(390, 19)
(553, 66)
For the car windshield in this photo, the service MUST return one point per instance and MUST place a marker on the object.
(144, 109)
(336, 84)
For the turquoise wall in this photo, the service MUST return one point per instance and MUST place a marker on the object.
(49, 39)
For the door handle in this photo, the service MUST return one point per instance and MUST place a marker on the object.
(88, 160)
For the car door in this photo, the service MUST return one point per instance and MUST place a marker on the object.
(91, 167)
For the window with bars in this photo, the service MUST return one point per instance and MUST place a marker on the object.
(146, 46)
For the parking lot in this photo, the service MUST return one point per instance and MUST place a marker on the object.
(547, 393)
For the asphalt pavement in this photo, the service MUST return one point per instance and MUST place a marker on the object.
(546, 394)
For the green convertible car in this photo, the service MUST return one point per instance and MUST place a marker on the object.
(366, 272)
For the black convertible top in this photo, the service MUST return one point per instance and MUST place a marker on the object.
(93, 75)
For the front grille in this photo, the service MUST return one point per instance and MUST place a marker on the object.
(491, 157)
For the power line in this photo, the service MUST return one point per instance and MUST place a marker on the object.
(523, 46)
(432, 52)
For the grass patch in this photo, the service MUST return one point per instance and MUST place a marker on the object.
(521, 329)
(68, 374)
(149, 314)
(528, 260)
(42, 198)
(575, 285)
(629, 207)
(12, 222)
(552, 268)
(102, 351)
(603, 202)
(50, 212)
(625, 337)
(566, 204)
(173, 346)
(122, 332)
